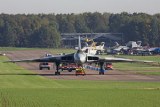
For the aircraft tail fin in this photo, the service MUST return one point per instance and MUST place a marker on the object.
(102, 44)
(116, 44)
(79, 43)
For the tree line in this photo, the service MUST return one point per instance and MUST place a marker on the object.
(43, 30)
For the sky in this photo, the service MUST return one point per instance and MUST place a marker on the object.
(78, 6)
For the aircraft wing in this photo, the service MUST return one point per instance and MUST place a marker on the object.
(45, 59)
(113, 59)
(60, 58)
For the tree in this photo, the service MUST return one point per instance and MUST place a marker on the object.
(43, 30)
(46, 36)
(80, 25)
(65, 25)
(154, 32)
(8, 34)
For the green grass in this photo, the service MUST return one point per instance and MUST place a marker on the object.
(18, 49)
(53, 50)
(80, 98)
(22, 88)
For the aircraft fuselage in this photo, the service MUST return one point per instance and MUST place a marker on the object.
(80, 57)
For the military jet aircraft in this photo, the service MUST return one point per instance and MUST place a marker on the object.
(78, 58)
(94, 49)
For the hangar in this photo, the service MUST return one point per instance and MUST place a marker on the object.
(70, 40)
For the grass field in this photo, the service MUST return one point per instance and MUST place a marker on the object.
(22, 88)
(53, 51)
(16, 49)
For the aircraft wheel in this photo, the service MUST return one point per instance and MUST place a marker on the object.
(57, 73)
(101, 73)
(69, 70)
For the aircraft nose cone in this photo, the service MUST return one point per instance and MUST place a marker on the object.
(80, 58)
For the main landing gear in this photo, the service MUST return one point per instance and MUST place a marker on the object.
(101, 72)
(57, 73)
(57, 69)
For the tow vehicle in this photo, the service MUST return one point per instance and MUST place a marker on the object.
(80, 71)
(68, 66)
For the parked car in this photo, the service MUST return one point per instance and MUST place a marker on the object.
(44, 65)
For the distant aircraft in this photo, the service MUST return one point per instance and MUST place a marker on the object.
(155, 51)
(78, 58)
(118, 47)
(130, 45)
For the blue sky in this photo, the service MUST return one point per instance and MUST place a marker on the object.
(78, 6)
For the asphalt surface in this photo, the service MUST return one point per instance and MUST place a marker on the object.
(65, 75)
